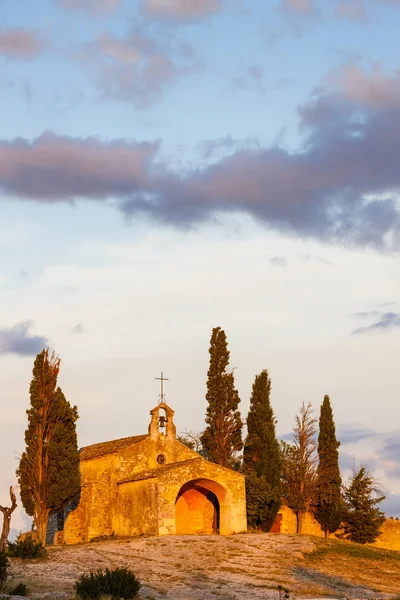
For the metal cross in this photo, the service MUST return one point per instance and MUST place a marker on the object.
(162, 395)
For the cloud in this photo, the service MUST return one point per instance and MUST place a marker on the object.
(367, 314)
(180, 10)
(375, 89)
(136, 68)
(353, 433)
(386, 321)
(21, 44)
(353, 10)
(389, 455)
(391, 505)
(279, 261)
(251, 79)
(18, 340)
(96, 6)
(78, 328)
(303, 7)
(59, 168)
(342, 186)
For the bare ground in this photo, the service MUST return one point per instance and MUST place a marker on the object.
(239, 567)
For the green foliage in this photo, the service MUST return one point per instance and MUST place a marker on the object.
(329, 498)
(118, 583)
(48, 472)
(222, 438)
(259, 498)
(3, 569)
(19, 590)
(27, 547)
(262, 458)
(361, 516)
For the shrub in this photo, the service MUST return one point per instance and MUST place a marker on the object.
(19, 590)
(3, 569)
(28, 547)
(118, 583)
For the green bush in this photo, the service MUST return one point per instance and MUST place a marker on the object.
(118, 583)
(19, 590)
(3, 569)
(28, 547)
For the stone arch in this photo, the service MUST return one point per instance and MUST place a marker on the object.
(202, 507)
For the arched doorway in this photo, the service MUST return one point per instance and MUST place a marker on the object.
(198, 507)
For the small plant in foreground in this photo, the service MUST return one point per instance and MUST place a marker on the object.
(118, 583)
(19, 590)
(3, 569)
(28, 547)
(284, 593)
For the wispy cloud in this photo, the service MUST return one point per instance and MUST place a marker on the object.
(279, 261)
(353, 10)
(387, 321)
(303, 7)
(19, 340)
(95, 6)
(21, 44)
(251, 79)
(180, 10)
(136, 68)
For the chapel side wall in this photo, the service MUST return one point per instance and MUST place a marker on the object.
(136, 512)
(93, 515)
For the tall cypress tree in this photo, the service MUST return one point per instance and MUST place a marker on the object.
(222, 438)
(262, 457)
(329, 499)
(48, 471)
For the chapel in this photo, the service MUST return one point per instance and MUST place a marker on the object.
(149, 485)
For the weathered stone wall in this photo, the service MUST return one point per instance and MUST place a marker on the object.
(136, 509)
(389, 539)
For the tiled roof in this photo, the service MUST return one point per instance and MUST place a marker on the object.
(152, 473)
(96, 450)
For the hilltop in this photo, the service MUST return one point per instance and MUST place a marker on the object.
(236, 567)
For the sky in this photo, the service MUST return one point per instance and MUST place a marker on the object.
(169, 166)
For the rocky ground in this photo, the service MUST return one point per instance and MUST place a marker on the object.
(239, 567)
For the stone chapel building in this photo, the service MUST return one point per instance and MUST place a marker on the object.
(150, 484)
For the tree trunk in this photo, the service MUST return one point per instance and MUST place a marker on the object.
(7, 512)
(299, 521)
(41, 520)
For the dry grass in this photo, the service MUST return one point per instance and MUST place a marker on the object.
(239, 567)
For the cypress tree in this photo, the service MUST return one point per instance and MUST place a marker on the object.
(48, 471)
(262, 457)
(329, 498)
(361, 517)
(222, 438)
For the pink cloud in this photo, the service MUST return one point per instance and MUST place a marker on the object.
(181, 10)
(375, 89)
(96, 6)
(353, 10)
(298, 6)
(20, 43)
(54, 168)
(136, 68)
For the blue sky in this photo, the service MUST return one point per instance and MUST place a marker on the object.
(167, 166)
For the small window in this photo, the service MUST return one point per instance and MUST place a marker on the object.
(161, 459)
